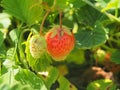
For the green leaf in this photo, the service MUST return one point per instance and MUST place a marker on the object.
(80, 56)
(101, 85)
(58, 4)
(7, 82)
(88, 15)
(40, 64)
(26, 77)
(3, 70)
(52, 76)
(10, 53)
(8, 64)
(1, 38)
(61, 4)
(115, 57)
(78, 3)
(102, 3)
(13, 35)
(17, 86)
(28, 11)
(5, 78)
(113, 4)
(2, 50)
(91, 38)
(65, 84)
(1, 26)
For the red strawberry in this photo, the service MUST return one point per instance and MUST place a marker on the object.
(60, 42)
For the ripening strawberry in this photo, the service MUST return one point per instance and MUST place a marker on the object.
(60, 42)
(37, 46)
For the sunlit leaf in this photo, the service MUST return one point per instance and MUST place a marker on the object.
(28, 11)
(13, 35)
(18, 86)
(7, 82)
(101, 85)
(8, 78)
(26, 77)
(10, 53)
(49, 76)
(5, 20)
(8, 64)
(102, 3)
(113, 4)
(52, 76)
(65, 84)
(29, 57)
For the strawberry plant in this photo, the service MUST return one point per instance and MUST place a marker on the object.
(59, 44)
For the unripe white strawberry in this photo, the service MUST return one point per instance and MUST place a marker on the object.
(37, 46)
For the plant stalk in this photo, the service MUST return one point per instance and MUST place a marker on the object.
(60, 30)
(60, 20)
(43, 21)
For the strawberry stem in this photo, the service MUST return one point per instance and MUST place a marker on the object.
(60, 30)
(43, 21)
(60, 21)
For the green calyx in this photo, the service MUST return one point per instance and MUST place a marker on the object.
(56, 29)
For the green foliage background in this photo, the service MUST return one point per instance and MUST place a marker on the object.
(95, 23)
